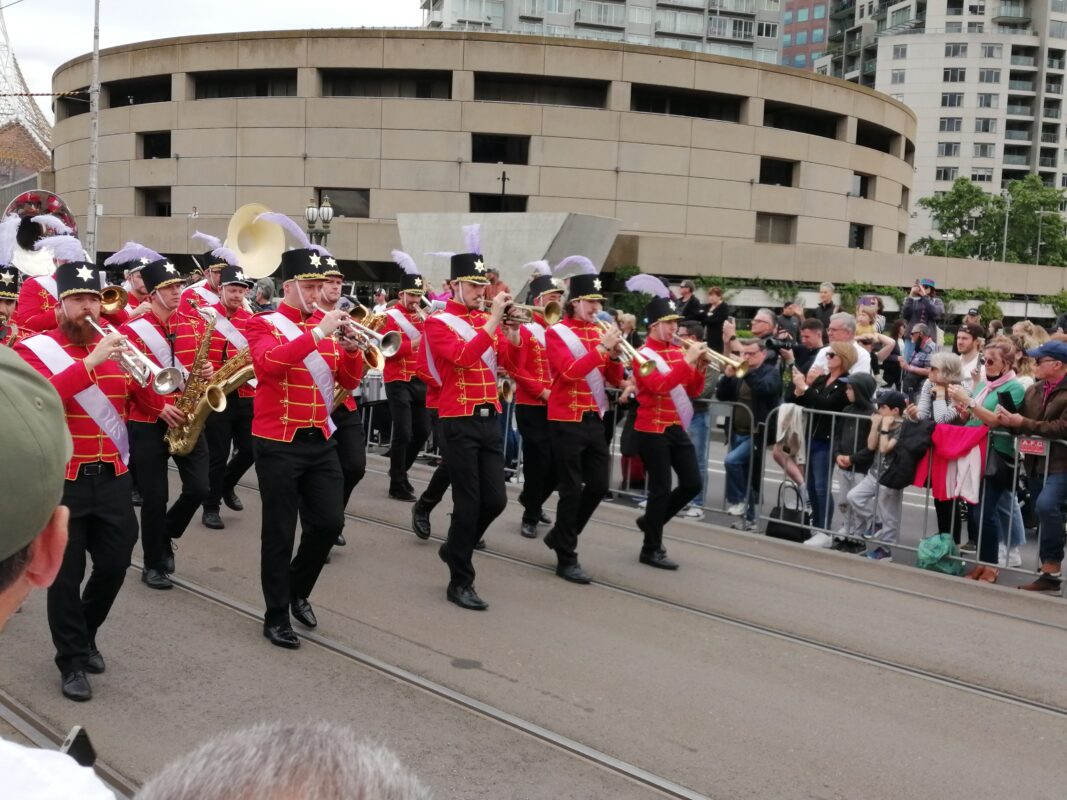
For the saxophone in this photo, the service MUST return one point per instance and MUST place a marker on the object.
(200, 396)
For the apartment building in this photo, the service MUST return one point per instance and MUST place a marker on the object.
(984, 79)
(804, 32)
(735, 28)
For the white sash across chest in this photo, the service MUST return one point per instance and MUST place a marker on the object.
(682, 404)
(157, 345)
(594, 378)
(320, 371)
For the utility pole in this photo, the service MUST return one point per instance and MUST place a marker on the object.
(94, 138)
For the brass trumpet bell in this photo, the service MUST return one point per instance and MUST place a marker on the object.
(523, 314)
(113, 299)
(717, 361)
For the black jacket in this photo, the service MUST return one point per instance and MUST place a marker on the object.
(714, 320)
(821, 397)
(911, 446)
(765, 383)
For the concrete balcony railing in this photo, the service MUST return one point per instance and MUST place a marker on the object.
(1020, 160)
(1020, 111)
(1018, 136)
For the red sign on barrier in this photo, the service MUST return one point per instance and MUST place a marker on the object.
(1033, 447)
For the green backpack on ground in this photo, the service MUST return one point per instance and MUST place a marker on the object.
(940, 554)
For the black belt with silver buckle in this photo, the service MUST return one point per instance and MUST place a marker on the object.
(485, 410)
(306, 434)
(89, 470)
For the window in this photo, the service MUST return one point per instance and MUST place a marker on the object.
(976, 9)
(558, 6)
(989, 76)
(246, 83)
(989, 101)
(946, 173)
(353, 203)
(900, 51)
(953, 27)
(800, 59)
(490, 148)
(817, 36)
(495, 204)
(802, 38)
(787, 40)
(952, 99)
(776, 172)
(494, 86)
(950, 124)
(787, 18)
(955, 50)
(679, 102)
(802, 15)
(155, 144)
(899, 17)
(152, 201)
(775, 228)
(954, 75)
(136, 91)
(862, 185)
(897, 76)
(859, 236)
(767, 29)
(975, 27)
(992, 50)
(982, 174)
(985, 150)
(426, 84)
(948, 149)
(640, 15)
(985, 125)
(818, 12)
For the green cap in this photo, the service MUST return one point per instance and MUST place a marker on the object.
(35, 447)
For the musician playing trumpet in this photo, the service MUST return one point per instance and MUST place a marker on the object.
(96, 394)
(583, 359)
(9, 296)
(160, 335)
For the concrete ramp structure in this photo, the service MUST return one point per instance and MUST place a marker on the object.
(508, 241)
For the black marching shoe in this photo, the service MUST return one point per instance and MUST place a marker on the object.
(168, 557)
(135, 498)
(528, 529)
(76, 686)
(232, 501)
(543, 519)
(211, 519)
(658, 559)
(340, 542)
(420, 521)
(303, 612)
(408, 486)
(402, 493)
(573, 573)
(480, 545)
(94, 665)
(282, 636)
(465, 597)
(155, 579)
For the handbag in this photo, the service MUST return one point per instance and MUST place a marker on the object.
(999, 472)
(789, 522)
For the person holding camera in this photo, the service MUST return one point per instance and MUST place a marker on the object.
(842, 329)
(802, 353)
(922, 306)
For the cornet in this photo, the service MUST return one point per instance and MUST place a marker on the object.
(369, 340)
(717, 361)
(550, 312)
(630, 355)
(140, 367)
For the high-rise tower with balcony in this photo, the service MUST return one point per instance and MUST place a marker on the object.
(985, 80)
(737, 28)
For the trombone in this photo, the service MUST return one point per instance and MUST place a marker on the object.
(630, 356)
(717, 361)
(517, 313)
(140, 367)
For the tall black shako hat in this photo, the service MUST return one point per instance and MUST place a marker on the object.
(210, 260)
(156, 271)
(661, 308)
(131, 257)
(410, 279)
(308, 262)
(541, 282)
(585, 283)
(470, 266)
(77, 277)
(9, 283)
(230, 272)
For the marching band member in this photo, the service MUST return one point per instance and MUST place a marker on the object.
(38, 307)
(157, 335)
(207, 290)
(9, 296)
(351, 439)
(527, 363)
(297, 363)
(581, 357)
(404, 390)
(137, 301)
(462, 344)
(96, 393)
(664, 411)
(439, 483)
(229, 430)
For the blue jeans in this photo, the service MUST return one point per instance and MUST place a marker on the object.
(736, 463)
(1011, 521)
(1049, 496)
(986, 520)
(698, 435)
(818, 480)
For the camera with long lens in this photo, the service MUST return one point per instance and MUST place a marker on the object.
(784, 343)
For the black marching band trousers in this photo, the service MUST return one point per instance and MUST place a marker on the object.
(230, 429)
(411, 426)
(582, 461)
(538, 466)
(661, 453)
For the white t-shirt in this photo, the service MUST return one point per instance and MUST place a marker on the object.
(968, 368)
(863, 360)
(29, 773)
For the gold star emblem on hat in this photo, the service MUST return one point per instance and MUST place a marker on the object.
(418, 283)
(331, 262)
(597, 284)
(479, 266)
(239, 275)
(85, 274)
(6, 277)
(316, 260)
(168, 267)
(144, 261)
(671, 305)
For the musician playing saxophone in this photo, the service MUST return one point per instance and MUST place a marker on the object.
(156, 335)
(96, 395)
(231, 428)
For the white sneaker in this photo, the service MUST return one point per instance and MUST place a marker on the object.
(693, 512)
(642, 504)
(1015, 557)
(1002, 555)
(820, 539)
(735, 510)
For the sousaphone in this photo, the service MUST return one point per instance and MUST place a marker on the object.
(258, 245)
(33, 203)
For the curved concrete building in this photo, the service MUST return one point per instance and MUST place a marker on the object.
(710, 164)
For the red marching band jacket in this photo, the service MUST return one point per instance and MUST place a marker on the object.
(422, 370)
(655, 408)
(91, 444)
(528, 365)
(170, 332)
(466, 380)
(349, 403)
(571, 396)
(36, 309)
(191, 333)
(402, 366)
(287, 398)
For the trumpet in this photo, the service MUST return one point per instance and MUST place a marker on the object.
(550, 312)
(428, 307)
(113, 299)
(630, 356)
(717, 361)
(374, 345)
(364, 316)
(140, 367)
(505, 388)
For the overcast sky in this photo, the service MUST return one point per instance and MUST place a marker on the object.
(46, 33)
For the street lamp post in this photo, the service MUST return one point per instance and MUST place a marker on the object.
(1007, 213)
(1037, 254)
(315, 214)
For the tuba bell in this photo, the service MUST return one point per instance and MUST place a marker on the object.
(258, 245)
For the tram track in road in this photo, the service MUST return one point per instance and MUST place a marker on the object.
(971, 687)
(41, 733)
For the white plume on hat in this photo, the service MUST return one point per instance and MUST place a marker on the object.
(9, 229)
(66, 248)
(648, 284)
(538, 269)
(472, 235)
(294, 230)
(575, 265)
(52, 223)
(405, 262)
(213, 242)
